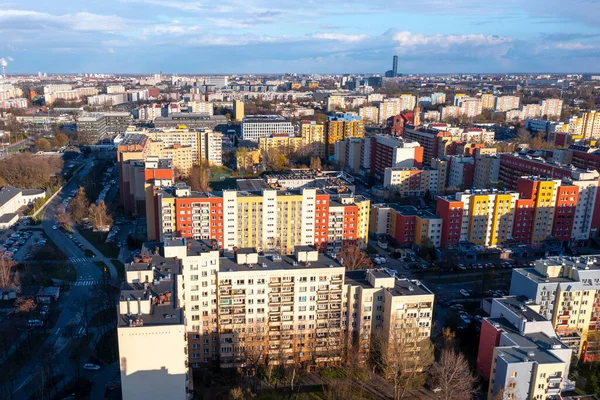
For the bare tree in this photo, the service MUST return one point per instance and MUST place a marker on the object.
(8, 277)
(353, 258)
(453, 376)
(315, 163)
(79, 205)
(99, 215)
(402, 356)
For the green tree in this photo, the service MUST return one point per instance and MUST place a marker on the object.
(42, 145)
(592, 384)
(241, 157)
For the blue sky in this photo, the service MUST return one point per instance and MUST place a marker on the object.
(304, 36)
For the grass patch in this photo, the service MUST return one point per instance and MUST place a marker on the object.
(103, 317)
(120, 268)
(97, 240)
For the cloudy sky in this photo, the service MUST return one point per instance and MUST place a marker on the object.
(262, 36)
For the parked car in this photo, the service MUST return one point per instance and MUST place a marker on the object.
(464, 293)
(91, 367)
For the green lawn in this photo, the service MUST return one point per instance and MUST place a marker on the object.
(97, 240)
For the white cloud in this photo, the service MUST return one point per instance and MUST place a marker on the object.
(82, 21)
(573, 46)
(340, 37)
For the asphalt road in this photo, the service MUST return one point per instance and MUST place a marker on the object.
(88, 275)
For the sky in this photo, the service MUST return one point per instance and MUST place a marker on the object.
(301, 36)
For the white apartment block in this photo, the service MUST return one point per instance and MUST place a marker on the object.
(259, 126)
(114, 89)
(506, 103)
(587, 182)
(551, 108)
(206, 145)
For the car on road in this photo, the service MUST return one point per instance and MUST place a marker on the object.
(91, 367)
(55, 227)
(464, 293)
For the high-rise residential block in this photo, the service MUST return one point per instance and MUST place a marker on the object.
(313, 137)
(506, 103)
(342, 126)
(565, 291)
(268, 219)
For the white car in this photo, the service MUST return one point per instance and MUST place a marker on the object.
(464, 293)
(91, 367)
(55, 227)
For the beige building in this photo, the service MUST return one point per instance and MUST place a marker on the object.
(567, 292)
(247, 310)
(151, 330)
(238, 110)
(487, 101)
(206, 144)
(283, 144)
(368, 113)
(313, 136)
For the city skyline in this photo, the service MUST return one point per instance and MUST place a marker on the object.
(144, 36)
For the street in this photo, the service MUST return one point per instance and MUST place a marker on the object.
(88, 275)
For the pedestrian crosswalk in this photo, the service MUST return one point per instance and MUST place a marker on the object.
(85, 282)
(78, 260)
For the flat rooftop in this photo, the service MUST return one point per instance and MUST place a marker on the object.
(411, 211)
(268, 263)
(519, 307)
(402, 287)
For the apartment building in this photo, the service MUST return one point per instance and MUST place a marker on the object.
(151, 330)
(586, 125)
(57, 88)
(113, 89)
(488, 101)
(382, 151)
(513, 167)
(519, 352)
(203, 107)
(190, 120)
(139, 176)
(313, 136)
(438, 98)
(267, 219)
(247, 309)
(406, 224)
(450, 112)
(238, 110)
(369, 113)
(412, 181)
(342, 126)
(107, 99)
(430, 139)
(441, 165)
(282, 143)
(482, 217)
(349, 153)
(206, 144)
(461, 171)
(566, 291)
(335, 103)
(551, 108)
(506, 103)
(486, 172)
(257, 126)
(70, 95)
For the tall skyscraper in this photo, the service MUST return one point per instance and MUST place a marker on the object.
(395, 67)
